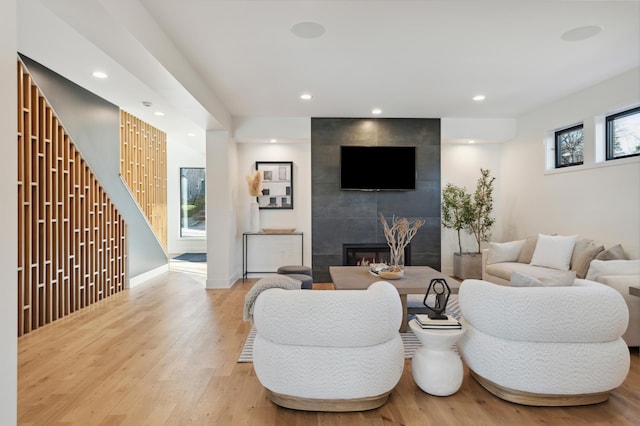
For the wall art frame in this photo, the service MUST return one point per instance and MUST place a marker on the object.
(277, 185)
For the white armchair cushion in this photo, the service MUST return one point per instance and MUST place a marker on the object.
(554, 251)
(584, 312)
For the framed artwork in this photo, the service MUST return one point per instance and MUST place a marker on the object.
(277, 184)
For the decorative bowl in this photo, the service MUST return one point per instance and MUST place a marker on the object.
(391, 275)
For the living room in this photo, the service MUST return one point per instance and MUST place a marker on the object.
(530, 198)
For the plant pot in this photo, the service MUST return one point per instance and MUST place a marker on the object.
(467, 265)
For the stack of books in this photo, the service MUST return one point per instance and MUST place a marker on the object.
(440, 324)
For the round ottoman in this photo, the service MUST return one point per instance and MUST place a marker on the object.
(307, 281)
(294, 269)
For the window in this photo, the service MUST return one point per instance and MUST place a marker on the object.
(623, 134)
(569, 144)
(192, 202)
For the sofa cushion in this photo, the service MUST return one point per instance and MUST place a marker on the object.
(613, 253)
(562, 279)
(578, 248)
(527, 249)
(613, 267)
(504, 252)
(581, 264)
(554, 251)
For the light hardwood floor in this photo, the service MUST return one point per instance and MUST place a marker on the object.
(165, 352)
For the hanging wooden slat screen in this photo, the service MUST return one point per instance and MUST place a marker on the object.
(72, 249)
(143, 166)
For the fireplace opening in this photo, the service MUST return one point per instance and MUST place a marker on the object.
(364, 254)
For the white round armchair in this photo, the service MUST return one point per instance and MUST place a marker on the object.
(329, 350)
(546, 346)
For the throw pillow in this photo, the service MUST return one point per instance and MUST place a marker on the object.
(613, 267)
(559, 280)
(581, 265)
(523, 280)
(554, 251)
(581, 244)
(504, 252)
(613, 253)
(527, 250)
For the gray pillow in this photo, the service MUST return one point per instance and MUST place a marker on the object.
(613, 253)
(558, 280)
(526, 253)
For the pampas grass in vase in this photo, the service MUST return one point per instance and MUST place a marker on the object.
(254, 181)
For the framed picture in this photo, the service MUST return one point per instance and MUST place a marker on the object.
(277, 184)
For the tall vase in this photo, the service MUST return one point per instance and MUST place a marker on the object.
(254, 218)
(397, 258)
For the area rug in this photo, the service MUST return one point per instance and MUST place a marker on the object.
(409, 340)
(192, 257)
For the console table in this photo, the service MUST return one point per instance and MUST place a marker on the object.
(248, 236)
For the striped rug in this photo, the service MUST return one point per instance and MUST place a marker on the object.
(409, 340)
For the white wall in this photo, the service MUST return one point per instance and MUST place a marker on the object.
(593, 200)
(460, 165)
(8, 215)
(181, 155)
(300, 216)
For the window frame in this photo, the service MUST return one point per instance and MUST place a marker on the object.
(558, 152)
(184, 230)
(609, 120)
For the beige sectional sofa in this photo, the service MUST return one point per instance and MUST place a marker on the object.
(548, 258)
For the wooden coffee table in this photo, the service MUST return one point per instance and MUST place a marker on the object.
(416, 279)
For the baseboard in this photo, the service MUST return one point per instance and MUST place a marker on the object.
(141, 278)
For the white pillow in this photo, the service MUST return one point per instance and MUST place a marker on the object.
(613, 267)
(554, 251)
(504, 252)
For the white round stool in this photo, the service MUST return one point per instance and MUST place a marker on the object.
(436, 368)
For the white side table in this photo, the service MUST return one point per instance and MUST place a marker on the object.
(436, 368)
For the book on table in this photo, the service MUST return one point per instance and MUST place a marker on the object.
(425, 322)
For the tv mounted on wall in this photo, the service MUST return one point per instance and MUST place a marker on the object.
(377, 168)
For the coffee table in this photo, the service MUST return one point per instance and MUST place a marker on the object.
(416, 279)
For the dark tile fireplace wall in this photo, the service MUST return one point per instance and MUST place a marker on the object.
(352, 217)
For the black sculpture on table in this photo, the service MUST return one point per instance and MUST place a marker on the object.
(441, 291)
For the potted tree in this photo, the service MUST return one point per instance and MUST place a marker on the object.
(471, 213)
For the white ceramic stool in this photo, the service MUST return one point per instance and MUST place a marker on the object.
(436, 368)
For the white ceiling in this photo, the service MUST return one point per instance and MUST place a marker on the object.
(206, 63)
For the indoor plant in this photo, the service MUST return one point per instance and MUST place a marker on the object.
(471, 213)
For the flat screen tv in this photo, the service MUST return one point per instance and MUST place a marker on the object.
(377, 168)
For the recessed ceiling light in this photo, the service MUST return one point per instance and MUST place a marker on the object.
(376, 111)
(478, 98)
(99, 74)
(472, 141)
(581, 33)
(191, 134)
(273, 140)
(307, 30)
(306, 96)
(158, 113)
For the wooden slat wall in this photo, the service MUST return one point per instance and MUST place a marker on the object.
(72, 249)
(143, 166)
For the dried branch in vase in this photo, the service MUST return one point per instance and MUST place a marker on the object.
(255, 183)
(399, 234)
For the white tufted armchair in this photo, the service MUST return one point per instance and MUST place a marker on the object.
(546, 346)
(329, 350)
